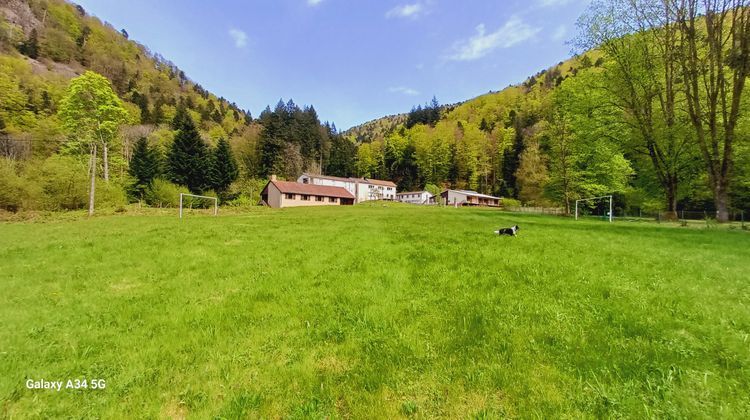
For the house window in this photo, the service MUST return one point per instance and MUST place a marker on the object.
(305, 198)
(332, 199)
(318, 198)
(289, 196)
(305, 180)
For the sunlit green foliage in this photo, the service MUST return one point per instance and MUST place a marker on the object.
(91, 112)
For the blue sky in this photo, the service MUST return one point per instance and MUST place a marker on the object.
(354, 60)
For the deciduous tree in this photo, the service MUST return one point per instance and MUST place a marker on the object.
(92, 114)
(714, 57)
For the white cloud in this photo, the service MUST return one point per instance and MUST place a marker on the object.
(314, 2)
(409, 11)
(404, 90)
(560, 33)
(239, 37)
(513, 32)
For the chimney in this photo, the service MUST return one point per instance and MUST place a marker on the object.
(273, 178)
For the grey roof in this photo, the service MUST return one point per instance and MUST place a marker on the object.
(360, 180)
(474, 194)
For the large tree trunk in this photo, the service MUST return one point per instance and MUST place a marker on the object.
(715, 50)
(92, 173)
(721, 197)
(105, 150)
(670, 188)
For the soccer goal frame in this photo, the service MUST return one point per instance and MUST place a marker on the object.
(216, 202)
(609, 197)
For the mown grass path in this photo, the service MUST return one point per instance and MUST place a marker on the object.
(374, 311)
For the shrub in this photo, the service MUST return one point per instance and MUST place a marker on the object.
(433, 189)
(12, 188)
(110, 195)
(511, 202)
(652, 205)
(162, 193)
(199, 203)
(246, 191)
(62, 184)
(242, 201)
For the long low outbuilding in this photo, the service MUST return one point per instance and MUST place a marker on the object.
(279, 194)
(468, 198)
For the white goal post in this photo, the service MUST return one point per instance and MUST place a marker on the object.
(216, 202)
(608, 197)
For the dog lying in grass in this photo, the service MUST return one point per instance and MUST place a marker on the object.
(511, 231)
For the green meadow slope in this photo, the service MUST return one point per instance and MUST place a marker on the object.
(373, 311)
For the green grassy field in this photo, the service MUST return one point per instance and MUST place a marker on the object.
(373, 312)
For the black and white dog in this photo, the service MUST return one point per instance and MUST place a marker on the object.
(511, 231)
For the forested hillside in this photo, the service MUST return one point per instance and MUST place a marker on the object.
(379, 128)
(46, 43)
(498, 143)
(375, 129)
(650, 111)
(618, 118)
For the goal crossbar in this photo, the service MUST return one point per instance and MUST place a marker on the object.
(597, 198)
(216, 202)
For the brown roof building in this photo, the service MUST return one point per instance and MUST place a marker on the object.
(278, 194)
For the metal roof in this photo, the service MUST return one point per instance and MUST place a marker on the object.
(360, 180)
(474, 194)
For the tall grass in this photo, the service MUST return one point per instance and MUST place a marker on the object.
(373, 311)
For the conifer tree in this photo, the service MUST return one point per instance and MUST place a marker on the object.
(142, 102)
(217, 116)
(433, 115)
(144, 166)
(224, 169)
(342, 157)
(30, 48)
(271, 144)
(188, 158)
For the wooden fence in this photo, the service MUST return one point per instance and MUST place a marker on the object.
(556, 211)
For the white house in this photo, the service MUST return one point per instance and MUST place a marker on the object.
(363, 189)
(468, 198)
(416, 197)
